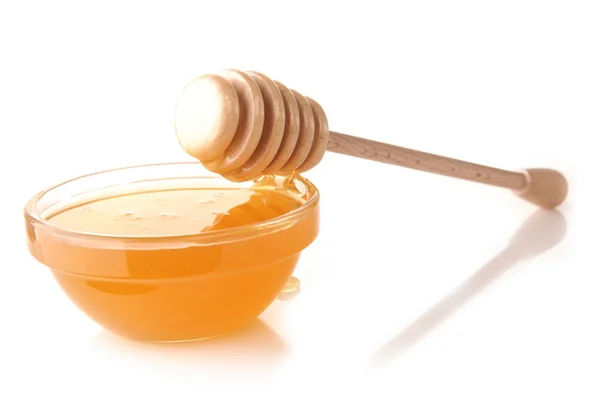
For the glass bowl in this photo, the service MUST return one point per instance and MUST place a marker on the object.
(170, 288)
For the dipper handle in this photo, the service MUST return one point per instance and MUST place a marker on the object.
(543, 187)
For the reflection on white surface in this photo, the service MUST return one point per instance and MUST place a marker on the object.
(257, 347)
(542, 231)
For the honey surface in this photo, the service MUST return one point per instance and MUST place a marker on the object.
(167, 291)
(176, 212)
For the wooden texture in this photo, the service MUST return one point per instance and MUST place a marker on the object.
(306, 135)
(290, 132)
(543, 187)
(272, 131)
(242, 125)
(405, 157)
(208, 105)
(249, 129)
(546, 188)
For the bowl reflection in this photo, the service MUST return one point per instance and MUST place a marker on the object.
(255, 347)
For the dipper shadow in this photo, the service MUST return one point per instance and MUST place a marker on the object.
(257, 346)
(542, 231)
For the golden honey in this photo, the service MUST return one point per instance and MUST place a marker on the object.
(174, 258)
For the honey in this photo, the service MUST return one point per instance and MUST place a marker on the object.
(292, 286)
(171, 212)
(176, 259)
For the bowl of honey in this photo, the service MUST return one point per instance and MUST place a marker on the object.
(167, 252)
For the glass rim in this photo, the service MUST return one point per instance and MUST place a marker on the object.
(33, 217)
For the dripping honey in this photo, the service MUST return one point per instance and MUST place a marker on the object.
(177, 260)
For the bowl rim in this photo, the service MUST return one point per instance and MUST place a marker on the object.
(36, 219)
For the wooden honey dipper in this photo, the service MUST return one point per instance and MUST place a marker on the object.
(242, 125)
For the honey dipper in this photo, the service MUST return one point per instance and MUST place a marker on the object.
(243, 125)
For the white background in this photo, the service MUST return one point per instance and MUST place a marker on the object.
(397, 300)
